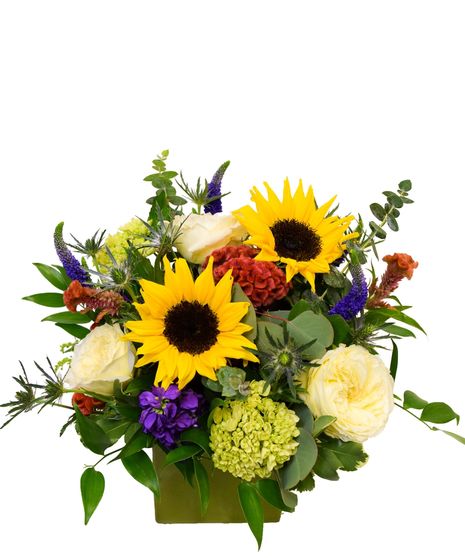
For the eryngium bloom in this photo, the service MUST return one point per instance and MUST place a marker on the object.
(252, 437)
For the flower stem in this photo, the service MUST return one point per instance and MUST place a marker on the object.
(106, 455)
(413, 415)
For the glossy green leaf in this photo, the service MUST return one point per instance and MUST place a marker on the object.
(350, 454)
(378, 211)
(305, 417)
(300, 464)
(253, 509)
(394, 359)
(199, 437)
(203, 485)
(413, 401)
(321, 423)
(269, 490)
(92, 435)
(378, 313)
(307, 484)
(75, 330)
(250, 318)
(52, 300)
(398, 330)
(68, 318)
(457, 437)
(53, 276)
(439, 413)
(140, 467)
(181, 453)
(341, 328)
(327, 464)
(139, 441)
(113, 428)
(92, 489)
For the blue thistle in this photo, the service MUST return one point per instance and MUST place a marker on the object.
(354, 301)
(73, 268)
(214, 190)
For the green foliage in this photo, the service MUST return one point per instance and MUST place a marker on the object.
(52, 300)
(75, 330)
(253, 509)
(394, 359)
(203, 485)
(270, 491)
(232, 381)
(334, 455)
(92, 489)
(250, 318)
(438, 413)
(198, 437)
(300, 464)
(307, 327)
(68, 318)
(181, 453)
(136, 443)
(321, 423)
(141, 468)
(54, 275)
(340, 327)
(92, 435)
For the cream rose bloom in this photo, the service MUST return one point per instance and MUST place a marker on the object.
(201, 234)
(354, 386)
(101, 358)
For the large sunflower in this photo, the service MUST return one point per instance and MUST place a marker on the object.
(188, 326)
(294, 231)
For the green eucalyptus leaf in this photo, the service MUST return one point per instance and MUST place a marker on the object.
(92, 489)
(253, 509)
(378, 231)
(300, 464)
(335, 279)
(378, 211)
(305, 417)
(298, 308)
(275, 330)
(405, 185)
(309, 326)
(52, 300)
(140, 467)
(392, 223)
(341, 328)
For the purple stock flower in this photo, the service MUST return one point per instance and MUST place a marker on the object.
(73, 268)
(214, 189)
(354, 301)
(167, 413)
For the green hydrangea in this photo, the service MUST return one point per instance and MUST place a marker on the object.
(134, 231)
(253, 436)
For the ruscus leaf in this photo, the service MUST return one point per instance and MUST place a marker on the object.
(92, 489)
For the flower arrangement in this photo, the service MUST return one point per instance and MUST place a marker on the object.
(243, 348)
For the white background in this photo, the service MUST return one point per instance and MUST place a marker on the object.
(352, 97)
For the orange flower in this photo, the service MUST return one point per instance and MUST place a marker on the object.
(86, 404)
(109, 302)
(400, 265)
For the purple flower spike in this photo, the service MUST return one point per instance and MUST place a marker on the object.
(214, 189)
(167, 413)
(354, 301)
(73, 268)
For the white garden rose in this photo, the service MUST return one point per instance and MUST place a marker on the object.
(101, 358)
(201, 234)
(354, 386)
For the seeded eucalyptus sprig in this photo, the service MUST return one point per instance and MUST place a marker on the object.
(386, 214)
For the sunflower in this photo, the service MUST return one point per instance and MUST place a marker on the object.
(295, 231)
(189, 326)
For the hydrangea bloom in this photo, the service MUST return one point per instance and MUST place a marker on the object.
(253, 436)
(168, 412)
(135, 232)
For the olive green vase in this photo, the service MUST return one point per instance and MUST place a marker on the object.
(179, 502)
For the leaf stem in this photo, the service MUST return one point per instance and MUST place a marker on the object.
(106, 455)
(413, 415)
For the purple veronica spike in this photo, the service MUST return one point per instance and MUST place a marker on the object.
(167, 413)
(214, 189)
(354, 301)
(73, 268)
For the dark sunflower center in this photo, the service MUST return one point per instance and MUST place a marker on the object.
(191, 327)
(296, 240)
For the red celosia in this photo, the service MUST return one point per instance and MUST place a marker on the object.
(109, 302)
(86, 404)
(399, 267)
(262, 282)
